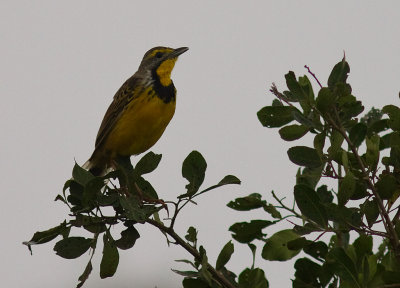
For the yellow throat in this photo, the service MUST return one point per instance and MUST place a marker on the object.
(164, 71)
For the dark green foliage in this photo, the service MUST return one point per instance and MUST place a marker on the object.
(110, 260)
(344, 217)
(304, 156)
(224, 256)
(132, 201)
(148, 163)
(253, 278)
(276, 116)
(72, 247)
(337, 154)
(245, 232)
(310, 205)
(293, 132)
(276, 248)
(194, 169)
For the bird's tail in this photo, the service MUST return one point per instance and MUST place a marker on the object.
(97, 169)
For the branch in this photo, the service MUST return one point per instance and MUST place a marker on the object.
(283, 206)
(216, 275)
(382, 211)
(279, 95)
(312, 74)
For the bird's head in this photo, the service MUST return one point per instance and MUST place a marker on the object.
(161, 61)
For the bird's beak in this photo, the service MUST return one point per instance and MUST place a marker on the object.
(178, 52)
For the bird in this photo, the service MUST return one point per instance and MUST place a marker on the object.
(139, 113)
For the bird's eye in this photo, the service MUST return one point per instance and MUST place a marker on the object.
(159, 54)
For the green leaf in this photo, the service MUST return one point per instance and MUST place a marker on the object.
(72, 247)
(271, 210)
(325, 195)
(347, 217)
(309, 176)
(326, 275)
(306, 229)
(343, 265)
(133, 209)
(339, 73)
(360, 190)
(275, 248)
(371, 211)
(363, 246)
(194, 169)
(128, 238)
(85, 275)
(75, 193)
(276, 102)
(225, 255)
(276, 116)
(147, 189)
(228, 179)
(307, 272)
(287, 95)
(81, 175)
(346, 188)
(92, 224)
(253, 201)
(304, 156)
(349, 108)
(191, 235)
(245, 232)
(204, 273)
(336, 143)
(310, 204)
(148, 163)
(319, 143)
(394, 116)
(91, 190)
(253, 249)
(325, 100)
(293, 132)
(357, 134)
(294, 87)
(303, 120)
(389, 140)
(387, 186)
(41, 237)
(372, 155)
(318, 250)
(298, 243)
(306, 86)
(253, 278)
(373, 116)
(110, 259)
(391, 277)
(378, 127)
(60, 198)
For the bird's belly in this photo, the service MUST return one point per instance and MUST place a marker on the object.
(140, 126)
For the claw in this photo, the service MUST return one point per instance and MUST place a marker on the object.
(146, 199)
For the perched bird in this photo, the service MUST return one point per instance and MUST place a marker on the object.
(139, 113)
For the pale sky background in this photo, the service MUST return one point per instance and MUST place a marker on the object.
(61, 64)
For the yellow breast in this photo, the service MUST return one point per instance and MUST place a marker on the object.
(140, 126)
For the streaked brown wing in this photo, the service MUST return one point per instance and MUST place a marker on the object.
(124, 95)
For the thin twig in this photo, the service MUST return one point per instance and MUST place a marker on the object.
(279, 95)
(216, 275)
(382, 211)
(283, 206)
(312, 74)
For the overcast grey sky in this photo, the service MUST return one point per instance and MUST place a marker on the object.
(61, 64)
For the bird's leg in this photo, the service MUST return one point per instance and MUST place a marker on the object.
(143, 198)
